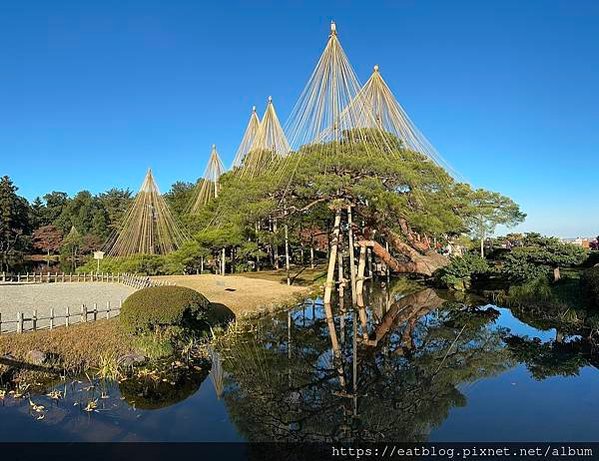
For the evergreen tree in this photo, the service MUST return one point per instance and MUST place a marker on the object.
(14, 224)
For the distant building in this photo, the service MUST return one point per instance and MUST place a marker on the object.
(583, 242)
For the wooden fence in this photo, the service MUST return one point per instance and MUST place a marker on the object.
(31, 322)
(132, 280)
(24, 323)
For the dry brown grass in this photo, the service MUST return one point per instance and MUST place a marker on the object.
(78, 346)
(244, 295)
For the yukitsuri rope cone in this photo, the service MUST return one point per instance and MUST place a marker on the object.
(379, 110)
(148, 227)
(208, 187)
(269, 143)
(247, 140)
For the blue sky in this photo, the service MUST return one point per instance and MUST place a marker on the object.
(93, 93)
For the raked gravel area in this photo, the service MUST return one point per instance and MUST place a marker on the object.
(26, 298)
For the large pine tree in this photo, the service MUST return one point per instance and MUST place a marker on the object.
(14, 224)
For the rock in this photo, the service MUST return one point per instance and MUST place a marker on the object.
(130, 360)
(8, 358)
(36, 357)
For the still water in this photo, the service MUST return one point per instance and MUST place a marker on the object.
(422, 367)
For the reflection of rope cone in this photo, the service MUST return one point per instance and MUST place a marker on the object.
(217, 374)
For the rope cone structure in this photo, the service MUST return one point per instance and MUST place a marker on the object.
(377, 108)
(333, 85)
(209, 186)
(148, 227)
(247, 140)
(323, 113)
(270, 141)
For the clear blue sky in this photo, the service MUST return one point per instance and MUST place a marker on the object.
(92, 93)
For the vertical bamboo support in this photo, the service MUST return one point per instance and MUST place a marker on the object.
(34, 320)
(340, 275)
(387, 271)
(83, 313)
(19, 322)
(332, 260)
(223, 262)
(67, 317)
(95, 313)
(107, 309)
(287, 266)
(360, 292)
(352, 262)
(51, 318)
(312, 257)
(275, 229)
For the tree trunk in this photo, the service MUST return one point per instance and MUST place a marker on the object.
(424, 264)
(328, 289)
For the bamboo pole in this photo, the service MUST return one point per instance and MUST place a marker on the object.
(287, 265)
(332, 260)
(327, 297)
(360, 292)
(223, 262)
(352, 262)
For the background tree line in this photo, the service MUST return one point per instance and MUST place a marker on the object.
(55, 223)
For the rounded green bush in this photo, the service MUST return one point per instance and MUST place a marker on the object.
(156, 308)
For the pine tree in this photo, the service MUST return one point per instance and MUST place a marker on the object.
(14, 223)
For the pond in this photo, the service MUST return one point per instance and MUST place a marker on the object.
(431, 367)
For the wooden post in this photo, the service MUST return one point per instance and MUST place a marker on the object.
(34, 320)
(340, 274)
(328, 289)
(352, 262)
(95, 311)
(360, 292)
(287, 254)
(387, 271)
(51, 318)
(276, 246)
(223, 263)
(67, 317)
(0, 323)
(19, 322)
(107, 309)
(83, 313)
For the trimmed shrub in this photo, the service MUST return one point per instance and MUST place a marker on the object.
(157, 308)
(590, 285)
(459, 273)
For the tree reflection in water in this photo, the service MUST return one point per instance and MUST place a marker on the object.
(575, 345)
(283, 381)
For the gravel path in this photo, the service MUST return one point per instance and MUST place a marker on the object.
(25, 298)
